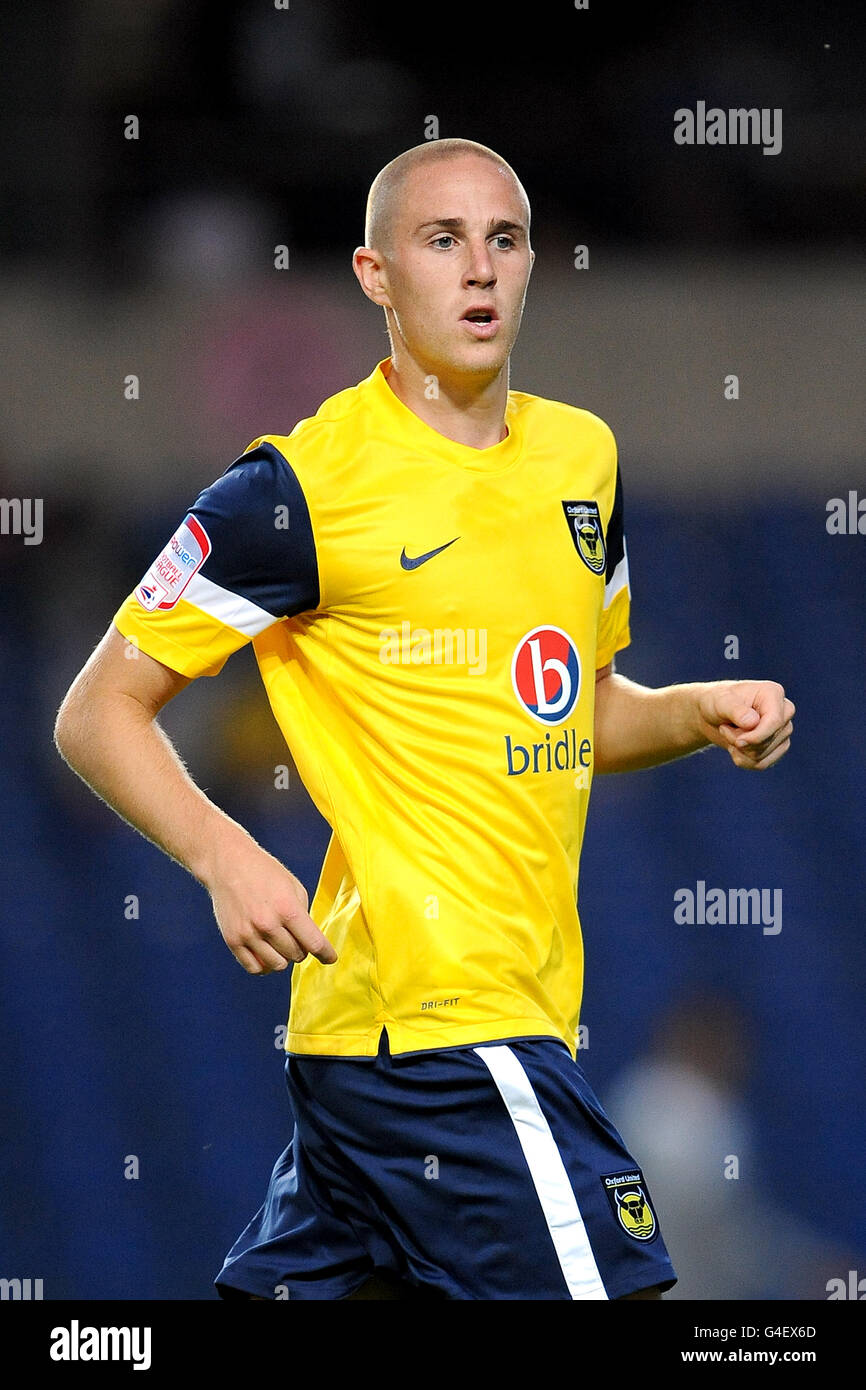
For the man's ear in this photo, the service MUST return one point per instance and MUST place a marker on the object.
(369, 266)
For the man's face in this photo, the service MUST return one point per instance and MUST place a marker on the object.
(460, 242)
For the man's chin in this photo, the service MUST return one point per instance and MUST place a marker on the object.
(481, 358)
(463, 359)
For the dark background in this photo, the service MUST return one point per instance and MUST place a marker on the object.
(155, 257)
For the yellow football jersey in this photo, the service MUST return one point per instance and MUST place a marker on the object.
(427, 618)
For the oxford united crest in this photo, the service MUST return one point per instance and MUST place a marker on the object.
(584, 523)
(629, 1199)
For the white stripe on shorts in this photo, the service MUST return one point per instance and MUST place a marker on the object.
(547, 1170)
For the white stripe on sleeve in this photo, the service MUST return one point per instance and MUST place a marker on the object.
(229, 608)
(618, 580)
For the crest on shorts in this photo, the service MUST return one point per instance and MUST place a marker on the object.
(630, 1203)
(584, 524)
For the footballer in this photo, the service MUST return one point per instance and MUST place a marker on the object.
(444, 1141)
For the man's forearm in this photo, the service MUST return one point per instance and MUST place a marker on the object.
(128, 760)
(636, 726)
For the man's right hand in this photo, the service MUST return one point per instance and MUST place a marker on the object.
(107, 731)
(261, 911)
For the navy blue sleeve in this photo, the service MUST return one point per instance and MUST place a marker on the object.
(262, 545)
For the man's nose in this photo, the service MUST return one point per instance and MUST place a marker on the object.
(480, 271)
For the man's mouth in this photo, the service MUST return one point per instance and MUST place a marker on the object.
(482, 322)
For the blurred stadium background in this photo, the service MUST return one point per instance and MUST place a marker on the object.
(155, 257)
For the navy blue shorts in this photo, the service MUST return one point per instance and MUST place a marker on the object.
(483, 1172)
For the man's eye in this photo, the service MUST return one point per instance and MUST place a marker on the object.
(500, 237)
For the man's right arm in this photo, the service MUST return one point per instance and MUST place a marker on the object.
(107, 732)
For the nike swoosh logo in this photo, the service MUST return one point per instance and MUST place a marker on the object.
(412, 564)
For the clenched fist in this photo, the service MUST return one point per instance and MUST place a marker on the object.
(752, 719)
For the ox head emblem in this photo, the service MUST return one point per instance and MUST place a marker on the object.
(635, 1212)
(587, 533)
(589, 537)
(630, 1203)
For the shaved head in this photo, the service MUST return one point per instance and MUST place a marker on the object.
(383, 200)
(447, 257)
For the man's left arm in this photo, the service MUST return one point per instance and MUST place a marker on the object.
(637, 726)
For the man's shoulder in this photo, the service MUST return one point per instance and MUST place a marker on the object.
(543, 410)
(344, 412)
(336, 413)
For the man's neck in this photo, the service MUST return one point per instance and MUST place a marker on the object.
(458, 410)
